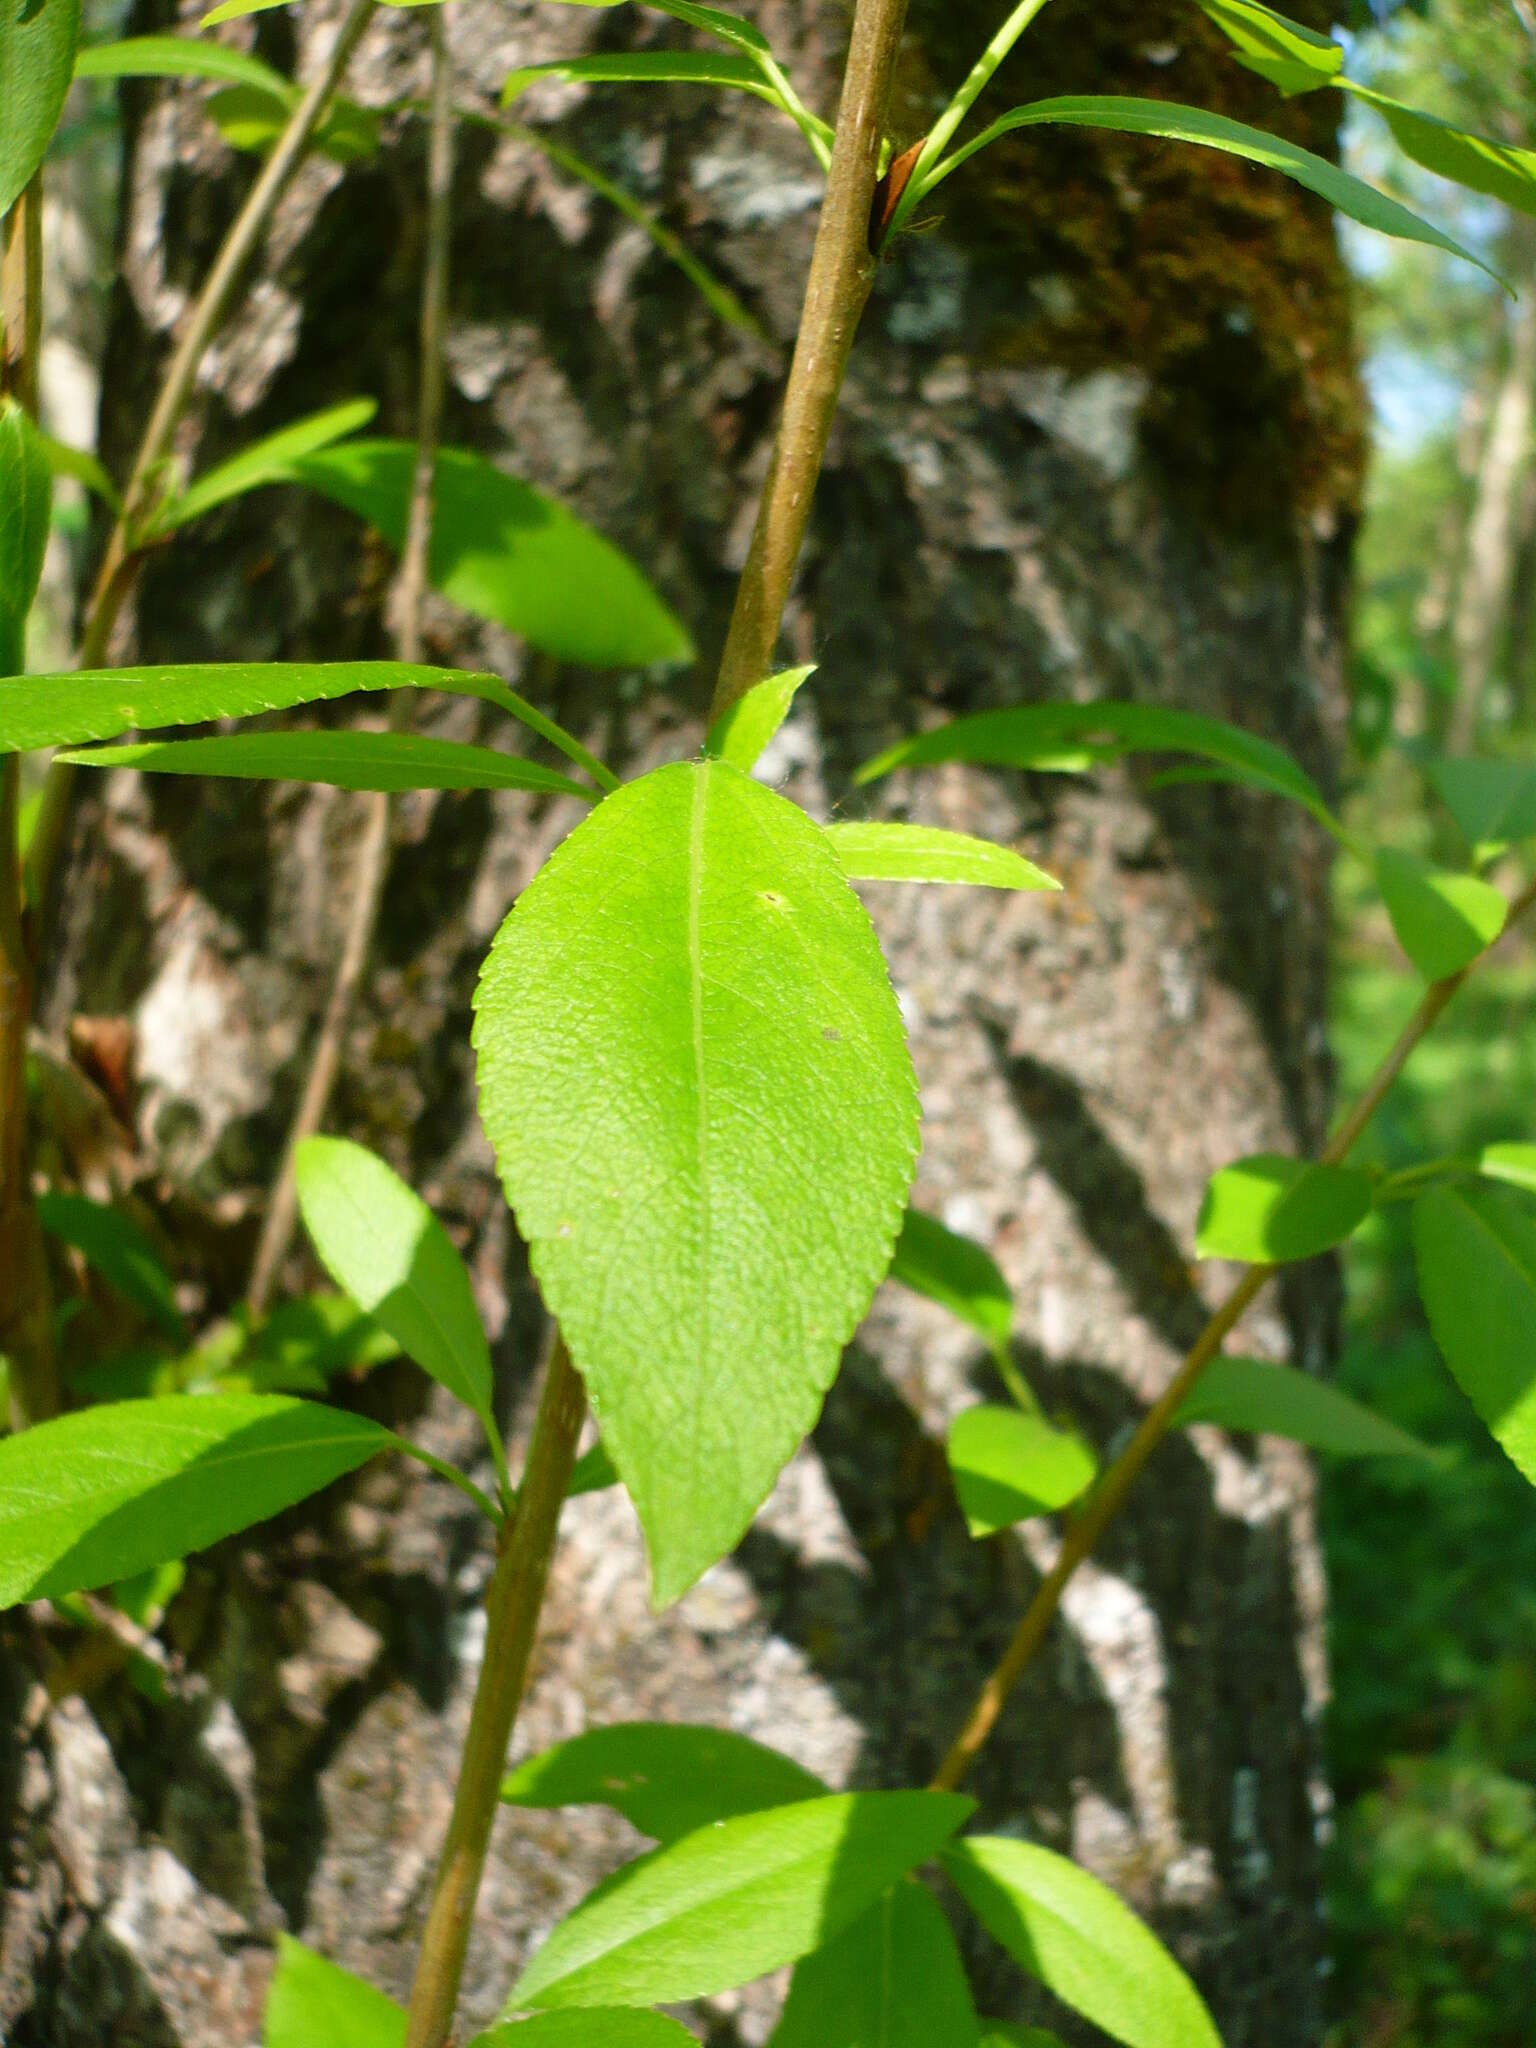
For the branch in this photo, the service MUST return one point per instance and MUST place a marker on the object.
(837, 289)
(371, 867)
(1108, 1497)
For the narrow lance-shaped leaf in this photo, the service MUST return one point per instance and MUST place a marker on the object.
(731, 1902)
(37, 60)
(714, 21)
(1009, 1467)
(1443, 921)
(107, 1492)
(606, 2026)
(1038, 735)
(1497, 169)
(741, 734)
(265, 461)
(1070, 1931)
(342, 760)
(172, 56)
(506, 552)
(1294, 58)
(1476, 1254)
(313, 2003)
(646, 67)
(1266, 1399)
(664, 1777)
(98, 704)
(1163, 118)
(694, 1076)
(118, 1250)
(957, 1273)
(594, 1472)
(1492, 801)
(380, 1242)
(1270, 1210)
(893, 1979)
(26, 493)
(878, 852)
(83, 467)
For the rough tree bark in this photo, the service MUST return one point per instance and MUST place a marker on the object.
(1100, 438)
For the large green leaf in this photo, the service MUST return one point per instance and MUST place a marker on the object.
(26, 494)
(1492, 801)
(893, 1979)
(37, 60)
(607, 2026)
(1269, 1209)
(1442, 920)
(731, 1902)
(118, 1250)
(316, 2004)
(382, 1245)
(98, 704)
(1498, 169)
(506, 552)
(1036, 735)
(1266, 1399)
(1163, 118)
(1070, 1931)
(343, 760)
(876, 852)
(645, 67)
(694, 1077)
(265, 461)
(1294, 58)
(741, 734)
(956, 1272)
(664, 1777)
(110, 1491)
(1009, 1466)
(1476, 1254)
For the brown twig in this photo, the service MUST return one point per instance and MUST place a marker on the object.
(117, 574)
(837, 289)
(1108, 1497)
(512, 1612)
(371, 864)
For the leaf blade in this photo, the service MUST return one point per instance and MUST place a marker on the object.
(644, 67)
(594, 2027)
(37, 61)
(1476, 1258)
(1009, 1467)
(312, 2000)
(1443, 920)
(26, 497)
(1269, 1209)
(1263, 1398)
(880, 852)
(341, 760)
(741, 734)
(957, 1273)
(265, 461)
(892, 1979)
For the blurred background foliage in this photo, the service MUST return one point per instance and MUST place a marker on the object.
(1432, 1885)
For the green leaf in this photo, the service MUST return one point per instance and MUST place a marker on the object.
(506, 552)
(1009, 1467)
(713, 21)
(1039, 735)
(304, 1344)
(1514, 1164)
(1476, 1254)
(98, 704)
(1497, 169)
(1265, 1399)
(84, 468)
(264, 462)
(1070, 1931)
(1004, 2034)
(649, 67)
(1493, 802)
(252, 119)
(110, 1491)
(731, 1902)
(344, 760)
(26, 496)
(608, 2026)
(1294, 58)
(892, 1979)
(178, 57)
(1443, 921)
(316, 2004)
(37, 60)
(694, 1078)
(382, 1245)
(1270, 1210)
(118, 1250)
(665, 1778)
(923, 853)
(958, 1274)
(1361, 202)
(745, 730)
(594, 1472)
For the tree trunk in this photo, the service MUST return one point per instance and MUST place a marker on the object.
(1101, 438)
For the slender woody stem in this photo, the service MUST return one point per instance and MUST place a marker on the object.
(837, 289)
(1108, 1497)
(371, 864)
(512, 1612)
(115, 578)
